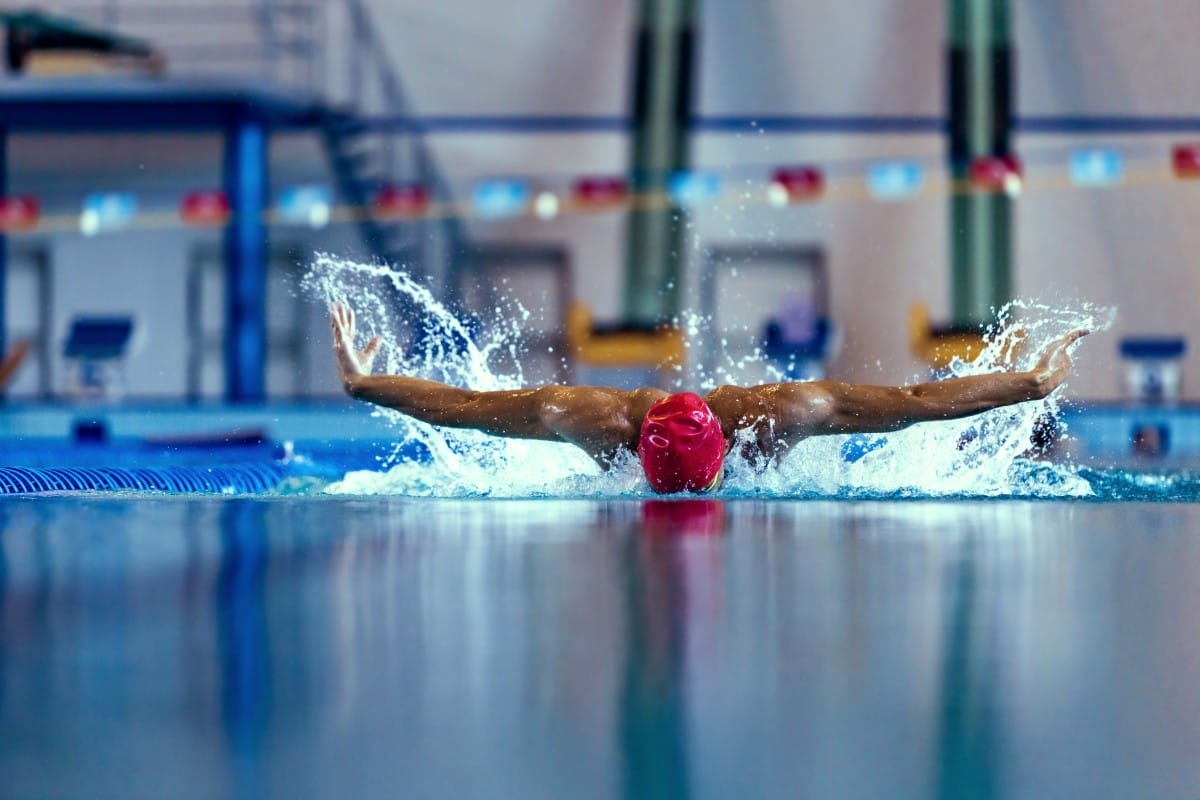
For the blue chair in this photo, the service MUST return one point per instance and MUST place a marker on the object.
(96, 348)
(801, 351)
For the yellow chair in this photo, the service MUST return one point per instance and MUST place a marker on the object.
(661, 349)
(939, 348)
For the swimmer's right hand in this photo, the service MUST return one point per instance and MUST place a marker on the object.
(352, 364)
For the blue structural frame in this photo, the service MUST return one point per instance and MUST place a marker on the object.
(244, 113)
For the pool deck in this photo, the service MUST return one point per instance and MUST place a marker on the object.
(384, 647)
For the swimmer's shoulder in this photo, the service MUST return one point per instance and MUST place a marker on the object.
(601, 404)
(736, 406)
(733, 399)
(647, 396)
(601, 420)
(638, 402)
(789, 403)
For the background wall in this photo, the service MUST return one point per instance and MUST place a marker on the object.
(1131, 246)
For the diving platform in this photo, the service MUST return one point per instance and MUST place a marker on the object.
(167, 103)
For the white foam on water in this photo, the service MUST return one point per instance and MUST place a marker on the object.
(985, 455)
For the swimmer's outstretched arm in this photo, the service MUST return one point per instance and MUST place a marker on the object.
(599, 420)
(824, 407)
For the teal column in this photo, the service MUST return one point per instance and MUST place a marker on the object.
(979, 94)
(662, 101)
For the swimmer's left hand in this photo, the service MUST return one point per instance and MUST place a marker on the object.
(352, 364)
(1055, 364)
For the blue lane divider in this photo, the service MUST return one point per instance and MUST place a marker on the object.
(224, 479)
(33, 466)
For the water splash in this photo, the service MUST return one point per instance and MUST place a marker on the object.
(987, 455)
(423, 337)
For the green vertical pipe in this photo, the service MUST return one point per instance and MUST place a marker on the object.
(979, 71)
(662, 105)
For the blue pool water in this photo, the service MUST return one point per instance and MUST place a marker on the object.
(388, 647)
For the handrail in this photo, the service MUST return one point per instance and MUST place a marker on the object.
(367, 52)
(366, 45)
(266, 29)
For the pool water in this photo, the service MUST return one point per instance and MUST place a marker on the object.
(391, 647)
(443, 614)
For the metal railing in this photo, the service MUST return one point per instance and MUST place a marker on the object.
(374, 89)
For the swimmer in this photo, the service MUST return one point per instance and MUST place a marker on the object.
(682, 439)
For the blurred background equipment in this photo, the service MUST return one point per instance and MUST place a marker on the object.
(1152, 368)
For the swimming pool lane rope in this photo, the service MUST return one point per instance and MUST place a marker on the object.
(225, 479)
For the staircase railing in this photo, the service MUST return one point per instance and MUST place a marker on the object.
(402, 154)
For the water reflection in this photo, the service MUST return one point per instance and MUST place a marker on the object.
(969, 739)
(243, 647)
(690, 517)
(675, 648)
(6, 634)
(653, 718)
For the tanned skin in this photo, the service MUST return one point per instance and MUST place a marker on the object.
(605, 421)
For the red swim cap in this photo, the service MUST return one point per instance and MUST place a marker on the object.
(681, 445)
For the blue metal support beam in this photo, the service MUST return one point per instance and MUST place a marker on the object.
(246, 262)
